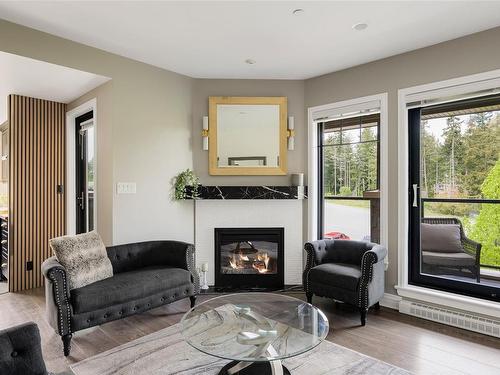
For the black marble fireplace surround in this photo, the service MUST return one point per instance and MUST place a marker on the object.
(247, 192)
(249, 258)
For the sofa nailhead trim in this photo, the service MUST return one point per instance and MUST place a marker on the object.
(310, 264)
(58, 301)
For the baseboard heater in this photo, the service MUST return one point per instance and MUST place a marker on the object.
(451, 317)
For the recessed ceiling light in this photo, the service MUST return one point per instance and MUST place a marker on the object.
(298, 12)
(250, 61)
(359, 26)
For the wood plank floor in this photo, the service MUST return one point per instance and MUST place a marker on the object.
(420, 346)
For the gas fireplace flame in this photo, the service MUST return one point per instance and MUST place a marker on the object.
(262, 264)
(235, 262)
(259, 263)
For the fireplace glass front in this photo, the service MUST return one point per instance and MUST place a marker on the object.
(249, 258)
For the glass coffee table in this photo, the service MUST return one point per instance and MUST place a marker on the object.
(254, 330)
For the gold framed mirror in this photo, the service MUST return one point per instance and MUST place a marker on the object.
(247, 135)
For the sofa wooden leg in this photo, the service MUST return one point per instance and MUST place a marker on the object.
(193, 301)
(66, 339)
(362, 312)
(309, 297)
(376, 306)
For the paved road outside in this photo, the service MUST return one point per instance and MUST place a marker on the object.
(352, 221)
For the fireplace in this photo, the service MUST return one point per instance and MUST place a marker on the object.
(249, 258)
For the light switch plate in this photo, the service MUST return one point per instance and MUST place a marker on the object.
(126, 188)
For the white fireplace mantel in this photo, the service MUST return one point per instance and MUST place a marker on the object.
(288, 214)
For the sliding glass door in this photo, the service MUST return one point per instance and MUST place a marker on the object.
(454, 197)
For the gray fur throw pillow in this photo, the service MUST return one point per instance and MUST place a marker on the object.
(84, 257)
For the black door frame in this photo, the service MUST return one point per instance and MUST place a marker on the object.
(415, 277)
(80, 171)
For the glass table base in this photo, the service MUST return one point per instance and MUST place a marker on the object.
(254, 368)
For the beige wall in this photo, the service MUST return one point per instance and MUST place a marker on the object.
(293, 90)
(464, 56)
(104, 192)
(150, 135)
(156, 120)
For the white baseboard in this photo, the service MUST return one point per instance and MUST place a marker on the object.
(391, 301)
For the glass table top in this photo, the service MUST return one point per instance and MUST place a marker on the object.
(254, 327)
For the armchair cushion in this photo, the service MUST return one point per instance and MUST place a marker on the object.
(441, 238)
(84, 257)
(340, 275)
(129, 286)
(448, 259)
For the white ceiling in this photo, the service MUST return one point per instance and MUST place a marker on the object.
(24, 76)
(212, 39)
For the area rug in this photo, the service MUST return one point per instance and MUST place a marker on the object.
(165, 352)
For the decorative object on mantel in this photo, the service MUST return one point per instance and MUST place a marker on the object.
(297, 179)
(291, 133)
(247, 192)
(204, 133)
(183, 185)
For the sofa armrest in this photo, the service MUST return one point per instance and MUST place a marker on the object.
(191, 267)
(57, 296)
(181, 255)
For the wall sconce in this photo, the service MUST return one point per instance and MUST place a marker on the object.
(291, 133)
(204, 133)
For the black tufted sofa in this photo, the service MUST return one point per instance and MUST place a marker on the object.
(145, 275)
(347, 271)
(20, 351)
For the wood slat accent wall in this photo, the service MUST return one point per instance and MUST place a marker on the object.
(37, 167)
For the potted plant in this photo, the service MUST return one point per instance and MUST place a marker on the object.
(186, 185)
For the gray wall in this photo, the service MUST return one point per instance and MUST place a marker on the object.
(293, 90)
(464, 56)
(150, 132)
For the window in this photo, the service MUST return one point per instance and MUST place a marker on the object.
(349, 161)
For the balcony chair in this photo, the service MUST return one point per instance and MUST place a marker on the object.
(437, 253)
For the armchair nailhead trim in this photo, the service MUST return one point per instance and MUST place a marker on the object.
(368, 259)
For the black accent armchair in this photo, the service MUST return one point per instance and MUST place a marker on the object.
(21, 351)
(347, 271)
(145, 275)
